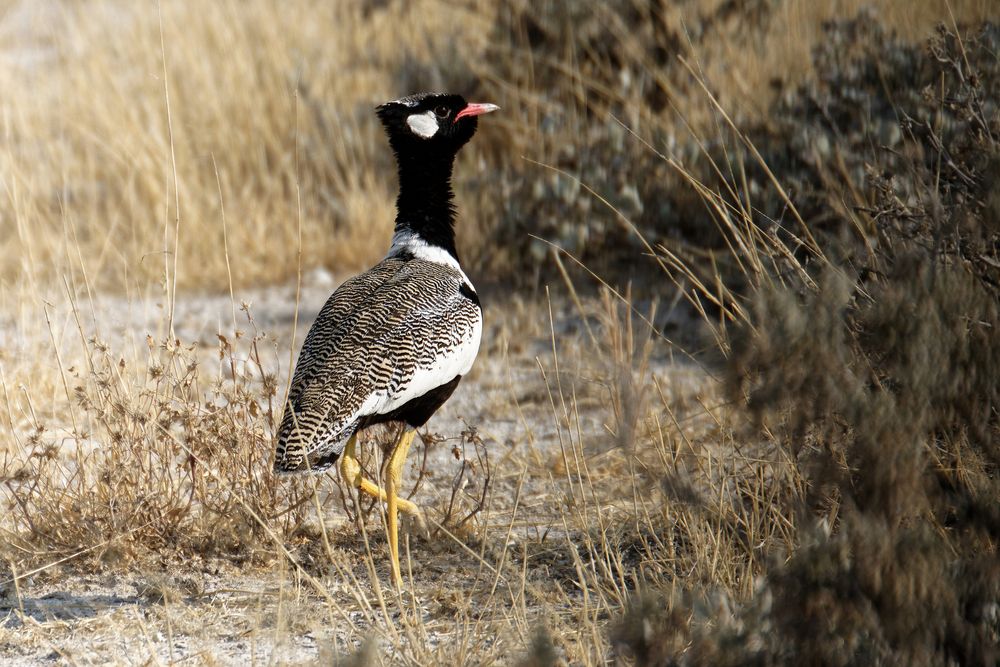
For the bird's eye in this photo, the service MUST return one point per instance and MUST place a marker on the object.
(442, 111)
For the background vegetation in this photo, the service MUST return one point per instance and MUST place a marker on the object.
(790, 202)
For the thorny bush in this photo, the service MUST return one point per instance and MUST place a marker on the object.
(880, 377)
(166, 458)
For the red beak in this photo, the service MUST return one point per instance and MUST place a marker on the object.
(475, 110)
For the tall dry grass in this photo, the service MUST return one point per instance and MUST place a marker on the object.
(127, 128)
(136, 125)
(194, 146)
(863, 345)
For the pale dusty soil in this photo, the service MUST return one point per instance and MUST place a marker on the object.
(219, 613)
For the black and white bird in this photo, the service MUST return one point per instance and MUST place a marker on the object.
(391, 344)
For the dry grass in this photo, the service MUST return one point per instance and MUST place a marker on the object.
(615, 494)
(270, 116)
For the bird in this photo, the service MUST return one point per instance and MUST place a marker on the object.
(391, 344)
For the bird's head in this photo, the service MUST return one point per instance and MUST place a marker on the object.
(431, 122)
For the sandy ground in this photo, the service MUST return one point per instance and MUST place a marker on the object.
(215, 612)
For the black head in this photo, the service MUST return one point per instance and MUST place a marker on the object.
(431, 122)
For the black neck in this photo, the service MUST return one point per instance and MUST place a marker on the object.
(424, 206)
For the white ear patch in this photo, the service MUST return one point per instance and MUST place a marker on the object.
(423, 124)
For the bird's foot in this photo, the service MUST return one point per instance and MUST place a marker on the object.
(418, 523)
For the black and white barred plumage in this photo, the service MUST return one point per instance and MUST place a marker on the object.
(392, 343)
(383, 340)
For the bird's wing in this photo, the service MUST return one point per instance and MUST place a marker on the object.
(383, 338)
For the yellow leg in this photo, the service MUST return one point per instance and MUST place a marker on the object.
(393, 473)
(350, 472)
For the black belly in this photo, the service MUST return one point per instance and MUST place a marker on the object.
(417, 411)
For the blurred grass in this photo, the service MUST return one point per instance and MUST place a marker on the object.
(277, 99)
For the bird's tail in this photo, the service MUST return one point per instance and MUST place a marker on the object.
(311, 438)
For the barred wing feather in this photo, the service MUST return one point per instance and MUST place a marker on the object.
(383, 338)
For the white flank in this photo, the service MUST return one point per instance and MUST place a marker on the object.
(456, 361)
(423, 124)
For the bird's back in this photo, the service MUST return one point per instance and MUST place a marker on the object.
(388, 336)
